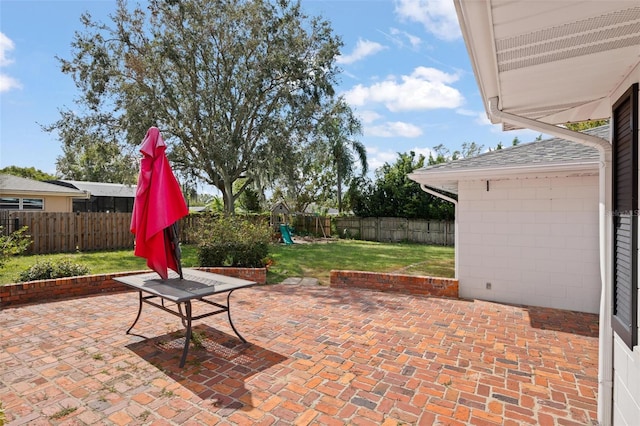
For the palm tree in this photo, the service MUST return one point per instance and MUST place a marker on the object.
(339, 127)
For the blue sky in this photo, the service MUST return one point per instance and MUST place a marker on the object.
(406, 74)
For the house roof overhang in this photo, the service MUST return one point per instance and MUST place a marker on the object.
(447, 180)
(551, 61)
(14, 185)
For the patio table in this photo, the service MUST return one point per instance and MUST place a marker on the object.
(194, 286)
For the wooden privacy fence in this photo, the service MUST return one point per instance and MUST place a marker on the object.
(395, 229)
(69, 232)
(319, 226)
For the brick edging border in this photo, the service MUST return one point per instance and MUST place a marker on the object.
(85, 285)
(64, 288)
(400, 283)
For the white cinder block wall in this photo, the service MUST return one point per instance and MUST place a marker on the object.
(534, 240)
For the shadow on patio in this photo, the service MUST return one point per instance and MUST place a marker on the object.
(316, 355)
(219, 364)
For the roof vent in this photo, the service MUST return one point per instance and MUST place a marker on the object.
(598, 34)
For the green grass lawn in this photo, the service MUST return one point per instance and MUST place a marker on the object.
(318, 259)
(297, 260)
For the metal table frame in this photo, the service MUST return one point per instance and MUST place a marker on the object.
(194, 286)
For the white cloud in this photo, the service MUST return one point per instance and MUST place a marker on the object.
(425, 88)
(397, 34)
(377, 158)
(393, 129)
(437, 16)
(467, 112)
(481, 117)
(368, 116)
(6, 82)
(6, 45)
(363, 49)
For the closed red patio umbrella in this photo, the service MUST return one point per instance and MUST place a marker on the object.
(158, 205)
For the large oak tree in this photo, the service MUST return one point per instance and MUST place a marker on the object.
(234, 85)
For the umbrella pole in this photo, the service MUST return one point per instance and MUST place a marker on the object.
(172, 235)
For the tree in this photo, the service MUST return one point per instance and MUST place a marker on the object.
(91, 150)
(27, 172)
(395, 195)
(309, 182)
(585, 125)
(469, 149)
(442, 155)
(250, 199)
(339, 127)
(232, 84)
(323, 163)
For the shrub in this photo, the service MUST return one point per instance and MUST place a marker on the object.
(233, 241)
(15, 243)
(47, 269)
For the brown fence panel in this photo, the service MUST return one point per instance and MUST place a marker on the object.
(68, 232)
(369, 227)
(309, 224)
(431, 232)
(418, 231)
(348, 226)
(391, 229)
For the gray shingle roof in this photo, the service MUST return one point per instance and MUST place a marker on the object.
(15, 184)
(545, 152)
(100, 189)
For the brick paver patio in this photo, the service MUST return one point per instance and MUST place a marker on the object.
(316, 355)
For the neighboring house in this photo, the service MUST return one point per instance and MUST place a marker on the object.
(17, 193)
(526, 223)
(540, 64)
(199, 209)
(105, 197)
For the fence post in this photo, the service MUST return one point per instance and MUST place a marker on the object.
(406, 229)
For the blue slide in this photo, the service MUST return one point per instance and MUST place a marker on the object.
(286, 234)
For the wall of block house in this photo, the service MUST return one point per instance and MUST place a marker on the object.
(531, 241)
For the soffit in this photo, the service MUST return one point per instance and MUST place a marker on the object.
(553, 61)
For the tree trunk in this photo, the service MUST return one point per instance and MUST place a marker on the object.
(339, 192)
(228, 198)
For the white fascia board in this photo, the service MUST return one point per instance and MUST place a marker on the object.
(431, 177)
(26, 193)
(476, 25)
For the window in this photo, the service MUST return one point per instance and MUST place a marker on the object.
(15, 203)
(32, 204)
(9, 203)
